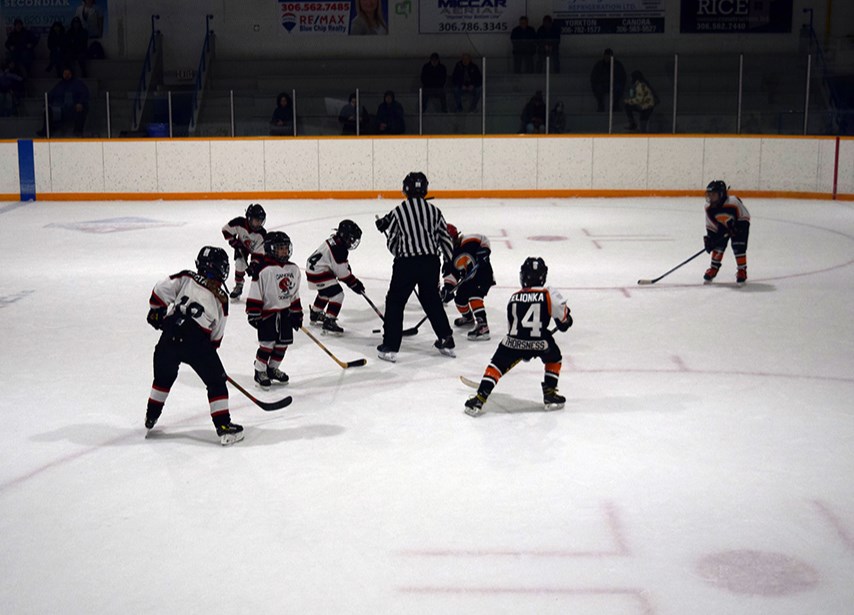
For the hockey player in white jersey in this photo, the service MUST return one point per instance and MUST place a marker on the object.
(246, 235)
(328, 266)
(190, 308)
(273, 307)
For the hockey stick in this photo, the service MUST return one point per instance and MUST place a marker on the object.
(264, 405)
(685, 262)
(469, 382)
(376, 309)
(356, 363)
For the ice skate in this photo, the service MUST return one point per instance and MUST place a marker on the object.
(229, 433)
(741, 276)
(446, 346)
(315, 317)
(479, 334)
(274, 374)
(552, 400)
(474, 405)
(710, 274)
(237, 291)
(330, 327)
(464, 321)
(151, 416)
(262, 380)
(386, 354)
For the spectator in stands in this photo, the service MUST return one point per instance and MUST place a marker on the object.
(548, 45)
(557, 119)
(390, 120)
(524, 40)
(20, 44)
(434, 75)
(92, 19)
(641, 99)
(534, 114)
(347, 118)
(369, 18)
(11, 88)
(69, 102)
(600, 80)
(56, 48)
(76, 46)
(282, 122)
(467, 79)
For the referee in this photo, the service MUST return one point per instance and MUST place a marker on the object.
(416, 233)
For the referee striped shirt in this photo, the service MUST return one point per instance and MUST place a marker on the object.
(418, 228)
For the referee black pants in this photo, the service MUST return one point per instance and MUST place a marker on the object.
(407, 273)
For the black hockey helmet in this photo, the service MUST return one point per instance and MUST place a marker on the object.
(719, 187)
(350, 233)
(275, 240)
(212, 262)
(533, 272)
(415, 184)
(256, 212)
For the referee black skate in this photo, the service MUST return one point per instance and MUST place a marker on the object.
(416, 234)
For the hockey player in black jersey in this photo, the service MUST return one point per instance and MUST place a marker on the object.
(190, 308)
(246, 235)
(529, 313)
(468, 278)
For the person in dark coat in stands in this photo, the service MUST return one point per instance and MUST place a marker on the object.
(434, 75)
(76, 46)
(282, 122)
(69, 103)
(390, 117)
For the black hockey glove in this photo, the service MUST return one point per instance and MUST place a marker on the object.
(254, 320)
(357, 287)
(252, 269)
(156, 317)
(295, 319)
(709, 243)
(447, 293)
(383, 223)
(564, 325)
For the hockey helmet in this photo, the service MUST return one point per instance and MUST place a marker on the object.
(718, 187)
(350, 233)
(257, 214)
(533, 272)
(454, 233)
(415, 184)
(212, 262)
(272, 244)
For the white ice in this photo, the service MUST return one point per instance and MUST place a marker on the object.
(704, 463)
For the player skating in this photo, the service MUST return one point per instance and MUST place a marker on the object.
(727, 220)
(529, 314)
(246, 235)
(273, 307)
(191, 308)
(468, 279)
(327, 266)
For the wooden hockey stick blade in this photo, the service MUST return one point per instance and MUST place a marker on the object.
(642, 282)
(469, 383)
(356, 363)
(268, 406)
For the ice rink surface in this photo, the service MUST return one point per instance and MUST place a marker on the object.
(704, 463)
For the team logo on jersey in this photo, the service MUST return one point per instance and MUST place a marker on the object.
(286, 285)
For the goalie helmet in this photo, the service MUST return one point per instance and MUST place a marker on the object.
(718, 187)
(256, 212)
(349, 233)
(212, 262)
(272, 244)
(533, 272)
(415, 184)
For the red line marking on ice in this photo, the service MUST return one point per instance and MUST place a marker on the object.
(639, 595)
(504, 237)
(837, 524)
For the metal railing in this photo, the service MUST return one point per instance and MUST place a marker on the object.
(149, 65)
(201, 75)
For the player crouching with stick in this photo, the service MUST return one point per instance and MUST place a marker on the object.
(727, 219)
(529, 312)
(273, 307)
